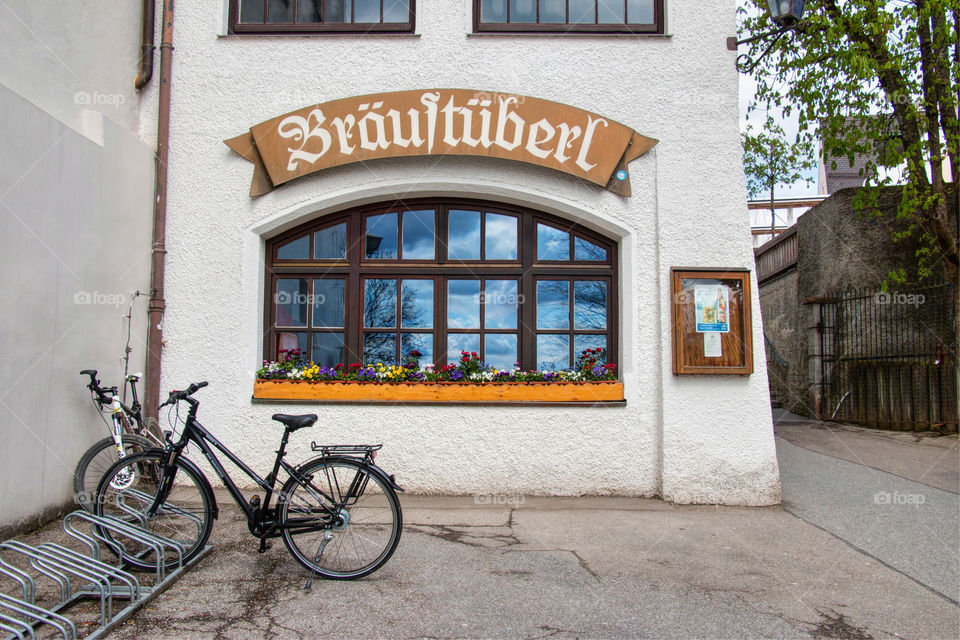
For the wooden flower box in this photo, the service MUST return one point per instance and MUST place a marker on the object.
(439, 392)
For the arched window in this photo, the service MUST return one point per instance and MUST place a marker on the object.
(374, 283)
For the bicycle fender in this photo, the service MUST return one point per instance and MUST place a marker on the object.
(374, 469)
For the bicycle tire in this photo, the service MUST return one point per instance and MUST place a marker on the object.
(97, 460)
(374, 518)
(186, 515)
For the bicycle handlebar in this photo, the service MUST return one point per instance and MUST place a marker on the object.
(176, 396)
(104, 394)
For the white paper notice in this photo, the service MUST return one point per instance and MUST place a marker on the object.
(711, 345)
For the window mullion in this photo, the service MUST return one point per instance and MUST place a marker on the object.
(527, 336)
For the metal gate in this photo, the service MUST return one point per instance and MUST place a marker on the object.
(888, 359)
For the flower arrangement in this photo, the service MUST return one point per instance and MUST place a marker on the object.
(468, 369)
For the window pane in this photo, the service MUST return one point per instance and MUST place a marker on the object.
(338, 10)
(280, 11)
(590, 304)
(553, 11)
(382, 236)
(500, 302)
(416, 304)
(291, 345)
(582, 343)
(463, 241)
(380, 303)
(328, 303)
(553, 304)
(610, 12)
(457, 342)
(552, 244)
(396, 11)
(309, 11)
(553, 352)
(500, 350)
(298, 249)
(523, 11)
(583, 250)
(500, 237)
(640, 11)
(251, 11)
(422, 342)
(366, 10)
(327, 349)
(493, 11)
(331, 243)
(418, 237)
(463, 304)
(379, 347)
(291, 300)
(582, 11)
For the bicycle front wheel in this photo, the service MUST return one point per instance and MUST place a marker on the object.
(95, 462)
(342, 520)
(129, 489)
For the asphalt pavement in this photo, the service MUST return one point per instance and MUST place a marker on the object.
(834, 561)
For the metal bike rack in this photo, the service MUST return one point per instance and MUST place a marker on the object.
(86, 576)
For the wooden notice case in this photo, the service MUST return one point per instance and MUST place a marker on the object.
(712, 328)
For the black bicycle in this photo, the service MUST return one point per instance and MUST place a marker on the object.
(128, 435)
(338, 513)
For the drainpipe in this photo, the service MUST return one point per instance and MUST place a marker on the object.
(157, 302)
(146, 44)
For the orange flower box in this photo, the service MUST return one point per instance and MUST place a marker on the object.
(439, 392)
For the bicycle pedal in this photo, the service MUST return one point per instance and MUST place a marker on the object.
(265, 546)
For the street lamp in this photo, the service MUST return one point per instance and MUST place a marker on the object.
(786, 15)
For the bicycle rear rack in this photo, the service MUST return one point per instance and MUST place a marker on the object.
(84, 576)
(345, 449)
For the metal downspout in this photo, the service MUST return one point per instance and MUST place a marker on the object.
(157, 303)
(146, 44)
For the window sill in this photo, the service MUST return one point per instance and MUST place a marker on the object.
(520, 393)
(571, 34)
(320, 34)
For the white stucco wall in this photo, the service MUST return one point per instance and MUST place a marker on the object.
(691, 440)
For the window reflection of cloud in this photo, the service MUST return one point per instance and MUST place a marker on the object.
(422, 342)
(553, 311)
(553, 352)
(381, 239)
(416, 306)
(552, 244)
(501, 237)
(463, 304)
(500, 304)
(418, 235)
(464, 235)
(457, 342)
(500, 350)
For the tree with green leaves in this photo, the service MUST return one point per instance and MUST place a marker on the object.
(878, 79)
(771, 159)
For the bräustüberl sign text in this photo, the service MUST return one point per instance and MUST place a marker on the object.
(456, 122)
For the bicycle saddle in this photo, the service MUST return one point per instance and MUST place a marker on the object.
(295, 422)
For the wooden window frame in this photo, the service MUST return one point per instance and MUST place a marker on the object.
(571, 28)
(525, 270)
(345, 28)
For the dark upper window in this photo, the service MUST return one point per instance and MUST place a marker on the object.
(313, 16)
(569, 16)
(441, 277)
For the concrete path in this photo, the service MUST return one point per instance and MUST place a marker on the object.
(887, 505)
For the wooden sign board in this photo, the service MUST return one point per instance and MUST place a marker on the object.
(712, 328)
(438, 122)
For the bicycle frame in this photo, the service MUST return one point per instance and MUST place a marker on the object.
(258, 516)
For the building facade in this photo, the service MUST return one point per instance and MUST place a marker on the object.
(538, 231)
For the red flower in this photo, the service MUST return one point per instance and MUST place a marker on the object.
(465, 359)
(474, 354)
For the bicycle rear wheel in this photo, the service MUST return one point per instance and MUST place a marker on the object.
(366, 529)
(95, 462)
(127, 491)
